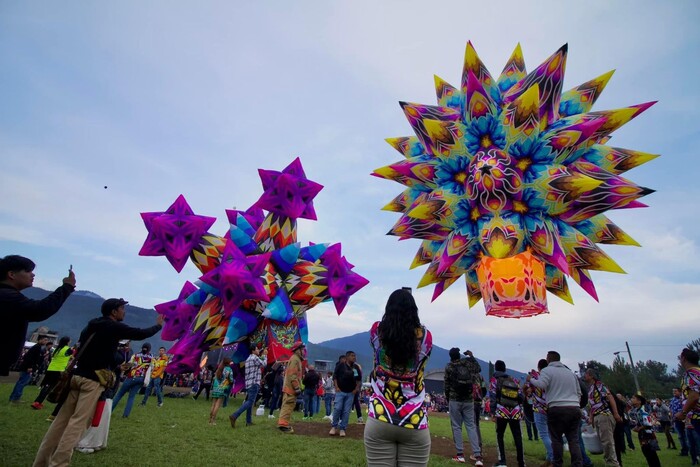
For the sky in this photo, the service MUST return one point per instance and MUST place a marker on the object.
(156, 99)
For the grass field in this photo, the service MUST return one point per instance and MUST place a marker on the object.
(178, 435)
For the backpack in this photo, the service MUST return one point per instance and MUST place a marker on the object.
(462, 382)
(508, 392)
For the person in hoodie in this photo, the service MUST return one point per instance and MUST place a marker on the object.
(507, 398)
(17, 310)
(99, 339)
(29, 365)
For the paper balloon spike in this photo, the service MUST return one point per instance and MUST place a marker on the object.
(257, 281)
(511, 166)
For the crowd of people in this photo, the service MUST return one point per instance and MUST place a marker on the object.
(552, 400)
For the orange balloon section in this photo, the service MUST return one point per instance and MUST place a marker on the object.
(513, 287)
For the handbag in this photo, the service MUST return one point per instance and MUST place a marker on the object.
(106, 377)
(60, 391)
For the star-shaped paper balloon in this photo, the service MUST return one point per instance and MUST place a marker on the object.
(342, 281)
(238, 277)
(174, 233)
(288, 192)
(178, 314)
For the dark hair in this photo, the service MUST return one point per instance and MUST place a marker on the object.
(397, 329)
(220, 369)
(553, 356)
(63, 341)
(641, 398)
(500, 365)
(542, 364)
(690, 355)
(594, 373)
(161, 348)
(341, 357)
(349, 352)
(13, 263)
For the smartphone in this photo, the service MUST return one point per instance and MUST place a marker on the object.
(70, 269)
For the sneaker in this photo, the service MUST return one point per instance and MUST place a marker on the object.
(333, 432)
(50, 418)
(499, 464)
(305, 418)
(160, 404)
(479, 462)
(249, 423)
(286, 429)
(326, 417)
(37, 406)
(232, 419)
(360, 421)
(342, 433)
(270, 416)
(459, 458)
(85, 450)
(473, 457)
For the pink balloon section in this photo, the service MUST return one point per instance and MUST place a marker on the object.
(257, 283)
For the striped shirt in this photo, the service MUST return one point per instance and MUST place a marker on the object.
(253, 370)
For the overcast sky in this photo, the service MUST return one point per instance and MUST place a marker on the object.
(156, 99)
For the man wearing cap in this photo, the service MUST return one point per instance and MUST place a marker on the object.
(460, 375)
(17, 310)
(291, 388)
(158, 365)
(99, 339)
(138, 366)
(253, 373)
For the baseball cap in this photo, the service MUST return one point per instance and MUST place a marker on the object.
(112, 304)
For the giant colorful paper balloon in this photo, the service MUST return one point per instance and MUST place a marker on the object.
(257, 281)
(511, 165)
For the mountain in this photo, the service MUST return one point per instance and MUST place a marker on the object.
(82, 306)
(439, 357)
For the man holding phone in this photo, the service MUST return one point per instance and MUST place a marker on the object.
(17, 274)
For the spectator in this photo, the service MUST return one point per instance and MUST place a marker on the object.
(100, 338)
(539, 408)
(460, 376)
(644, 427)
(507, 408)
(16, 274)
(348, 380)
(223, 380)
(310, 382)
(277, 377)
(397, 427)
(563, 393)
(59, 362)
(28, 365)
(690, 413)
(158, 365)
(603, 415)
(253, 373)
(665, 423)
(205, 379)
(676, 406)
(329, 394)
(135, 377)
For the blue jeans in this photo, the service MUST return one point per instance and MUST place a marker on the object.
(275, 399)
(317, 404)
(463, 413)
(341, 412)
(680, 431)
(24, 378)
(541, 424)
(693, 436)
(250, 395)
(309, 395)
(154, 383)
(328, 402)
(584, 455)
(132, 385)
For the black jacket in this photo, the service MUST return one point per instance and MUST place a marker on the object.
(16, 311)
(100, 351)
(33, 357)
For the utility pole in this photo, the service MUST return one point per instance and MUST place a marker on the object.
(634, 371)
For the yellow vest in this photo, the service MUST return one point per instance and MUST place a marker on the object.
(60, 360)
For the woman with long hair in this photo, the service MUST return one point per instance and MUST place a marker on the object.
(397, 426)
(223, 379)
(59, 361)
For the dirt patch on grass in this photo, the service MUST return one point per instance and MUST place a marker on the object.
(440, 445)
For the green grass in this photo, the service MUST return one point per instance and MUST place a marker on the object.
(178, 435)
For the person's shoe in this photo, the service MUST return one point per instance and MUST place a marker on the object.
(286, 429)
(160, 404)
(333, 431)
(459, 458)
(473, 457)
(500, 463)
(85, 450)
(232, 419)
(249, 423)
(270, 416)
(17, 402)
(479, 462)
(50, 418)
(326, 417)
(360, 421)
(342, 433)
(305, 418)
(37, 406)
